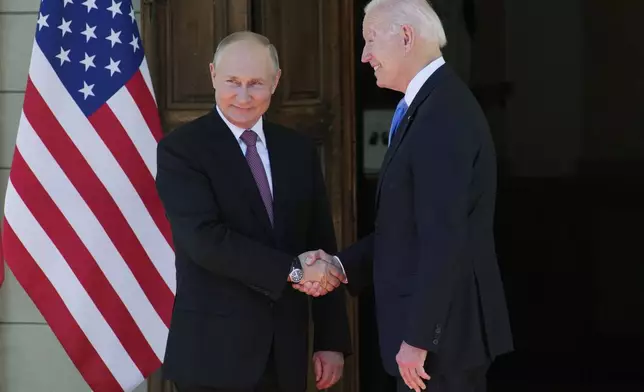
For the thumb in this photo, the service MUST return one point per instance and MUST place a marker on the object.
(317, 364)
(312, 257)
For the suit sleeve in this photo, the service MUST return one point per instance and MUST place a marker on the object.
(198, 229)
(357, 261)
(331, 332)
(442, 164)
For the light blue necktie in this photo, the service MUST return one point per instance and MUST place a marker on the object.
(398, 115)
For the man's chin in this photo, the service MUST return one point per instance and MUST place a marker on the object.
(242, 121)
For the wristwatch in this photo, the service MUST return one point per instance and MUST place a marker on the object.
(296, 273)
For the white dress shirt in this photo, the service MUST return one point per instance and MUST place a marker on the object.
(421, 77)
(262, 149)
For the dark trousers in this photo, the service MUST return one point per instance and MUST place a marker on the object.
(267, 383)
(463, 381)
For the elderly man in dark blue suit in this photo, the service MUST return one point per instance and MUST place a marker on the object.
(440, 304)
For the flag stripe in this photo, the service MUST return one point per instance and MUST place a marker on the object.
(94, 238)
(103, 165)
(113, 131)
(73, 294)
(51, 305)
(82, 264)
(145, 72)
(136, 129)
(144, 100)
(98, 199)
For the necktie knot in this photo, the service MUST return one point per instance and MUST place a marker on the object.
(249, 137)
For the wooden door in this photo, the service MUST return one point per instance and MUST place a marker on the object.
(314, 40)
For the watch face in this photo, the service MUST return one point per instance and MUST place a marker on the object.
(296, 275)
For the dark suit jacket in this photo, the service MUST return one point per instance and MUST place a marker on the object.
(431, 257)
(233, 302)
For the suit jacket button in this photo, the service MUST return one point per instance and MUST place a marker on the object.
(438, 329)
(435, 341)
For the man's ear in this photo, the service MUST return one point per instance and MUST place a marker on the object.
(278, 74)
(212, 74)
(409, 36)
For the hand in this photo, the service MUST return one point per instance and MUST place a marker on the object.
(411, 361)
(317, 285)
(328, 366)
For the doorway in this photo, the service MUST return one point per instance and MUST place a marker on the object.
(565, 114)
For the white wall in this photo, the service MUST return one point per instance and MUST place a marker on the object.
(31, 358)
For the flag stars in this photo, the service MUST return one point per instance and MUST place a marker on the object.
(68, 2)
(89, 32)
(113, 67)
(42, 21)
(63, 56)
(90, 4)
(88, 61)
(135, 42)
(87, 90)
(132, 14)
(115, 8)
(114, 37)
(64, 27)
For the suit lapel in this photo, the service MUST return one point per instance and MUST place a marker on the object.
(228, 151)
(278, 152)
(406, 122)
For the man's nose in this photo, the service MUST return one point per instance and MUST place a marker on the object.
(366, 56)
(243, 95)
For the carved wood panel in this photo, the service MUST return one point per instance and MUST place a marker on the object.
(186, 34)
(315, 95)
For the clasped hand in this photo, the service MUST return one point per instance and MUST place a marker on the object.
(322, 273)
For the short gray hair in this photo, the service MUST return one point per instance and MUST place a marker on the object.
(247, 36)
(417, 13)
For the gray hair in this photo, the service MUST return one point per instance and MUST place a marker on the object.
(417, 13)
(247, 36)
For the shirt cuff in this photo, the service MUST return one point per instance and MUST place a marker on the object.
(337, 260)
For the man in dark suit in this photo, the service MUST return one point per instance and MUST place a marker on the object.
(431, 258)
(246, 199)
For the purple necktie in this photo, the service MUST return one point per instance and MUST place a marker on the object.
(249, 137)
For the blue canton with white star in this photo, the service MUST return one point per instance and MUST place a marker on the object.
(93, 45)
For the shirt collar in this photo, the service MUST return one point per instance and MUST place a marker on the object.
(421, 77)
(258, 128)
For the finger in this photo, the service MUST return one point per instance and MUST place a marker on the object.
(405, 377)
(314, 289)
(327, 374)
(416, 378)
(330, 382)
(332, 281)
(337, 375)
(320, 291)
(411, 381)
(337, 274)
(301, 288)
(317, 364)
(423, 373)
(311, 258)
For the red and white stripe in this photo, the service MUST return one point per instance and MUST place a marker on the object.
(85, 232)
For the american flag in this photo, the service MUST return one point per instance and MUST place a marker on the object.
(85, 233)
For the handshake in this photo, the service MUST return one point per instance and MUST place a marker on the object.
(322, 273)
